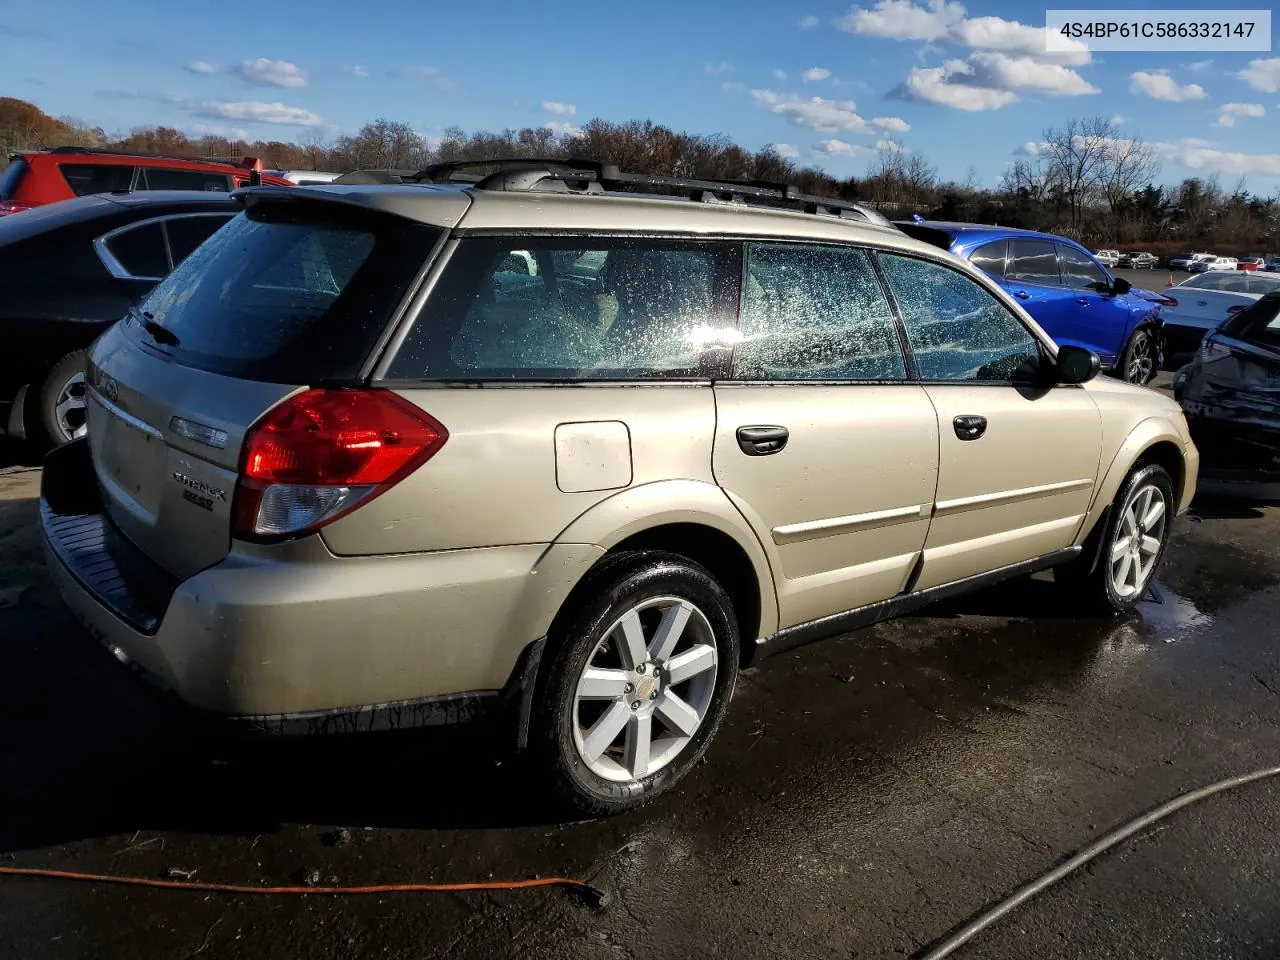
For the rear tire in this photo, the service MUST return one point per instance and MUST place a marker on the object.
(60, 412)
(1133, 543)
(611, 731)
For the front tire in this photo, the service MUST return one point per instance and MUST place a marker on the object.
(642, 667)
(1133, 543)
(1141, 358)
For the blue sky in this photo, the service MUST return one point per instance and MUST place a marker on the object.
(965, 84)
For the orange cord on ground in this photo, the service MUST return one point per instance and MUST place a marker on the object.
(593, 893)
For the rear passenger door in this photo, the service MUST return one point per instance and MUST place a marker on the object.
(1033, 276)
(1016, 463)
(822, 442)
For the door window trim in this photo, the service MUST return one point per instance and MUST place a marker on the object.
(117, 269)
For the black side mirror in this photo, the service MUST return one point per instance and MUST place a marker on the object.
(1120, 285)
(1077, 365)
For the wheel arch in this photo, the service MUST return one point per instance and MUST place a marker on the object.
(1154, 440)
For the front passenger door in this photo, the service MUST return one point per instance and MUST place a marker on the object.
(1100, 322)
(1016, 464)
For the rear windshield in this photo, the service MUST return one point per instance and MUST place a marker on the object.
(1259, 324)
(11, 177)
(289, 292)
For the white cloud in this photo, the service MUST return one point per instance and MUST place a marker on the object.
(432, 76)
(1262, 75)
(826, 116)
(563, 128)
(1002, 72)
(560, 107)
(202, 67)
(809, 22)
(1199, 65)
(1032, 148)
(1159, 85)
(779, 73)
(357, 71)
(816, 74)
(719, 69)
(1118, 119)
(253, 111)
(1229, 113)
(261, 72)
(892, 124)
(890, 146)
(944, 20)
(938, 85)
(1199, 155)
(838, 148)
(218, 130)
(784, 150)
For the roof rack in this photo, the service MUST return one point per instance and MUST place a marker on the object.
(573, 175)
(106, 151)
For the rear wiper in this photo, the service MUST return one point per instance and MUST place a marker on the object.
(161, 335)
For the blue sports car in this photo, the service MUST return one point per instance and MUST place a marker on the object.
(1073, 297)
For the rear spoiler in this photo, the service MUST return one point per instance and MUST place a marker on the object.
(367, 177)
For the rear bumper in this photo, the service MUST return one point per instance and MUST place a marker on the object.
(298, 640)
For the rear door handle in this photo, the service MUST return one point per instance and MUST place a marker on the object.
(1022, 295)
(1083, 301)
(762, 440)
(969, 428)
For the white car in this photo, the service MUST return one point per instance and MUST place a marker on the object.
(305, 178)
(1202, 302)
(1108, 258)
(1214, 265)
(1184, 261)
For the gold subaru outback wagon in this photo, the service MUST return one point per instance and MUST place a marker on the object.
(546, 441)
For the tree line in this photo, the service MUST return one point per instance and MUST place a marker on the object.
(1085, 179)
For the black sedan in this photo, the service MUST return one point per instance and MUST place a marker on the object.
(1138, 261)
(1230, 394)
(67, 272)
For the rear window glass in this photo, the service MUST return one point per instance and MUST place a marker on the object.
(165, 178)
(1258, 324)
(290, 293)
(86, 178)
(141, 251)
(11, 177)
(571, 309)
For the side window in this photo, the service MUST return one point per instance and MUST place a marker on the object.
(1078, 271)
(141, 252)
(87, 178)
(814, 313)
(989, 258)
(164, 178)
(187, 233)
(957, 330)
(1035, 261)
(599, 309)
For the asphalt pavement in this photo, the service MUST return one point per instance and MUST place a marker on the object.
(866, 795)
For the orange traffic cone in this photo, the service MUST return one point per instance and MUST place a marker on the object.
(1171, 283)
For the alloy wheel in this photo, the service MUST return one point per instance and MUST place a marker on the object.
(1139, 536)
(70, 407)
(1142, 361)
(645, 689)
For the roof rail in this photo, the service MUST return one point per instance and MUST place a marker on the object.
(107, 151)
(372, 176)
(573, 175)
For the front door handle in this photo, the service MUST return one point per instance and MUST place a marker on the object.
(760, 441)
(969, 428)
(1083, 301)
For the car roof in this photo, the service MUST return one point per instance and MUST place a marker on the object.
(125, 208)
(469, 208)
(972, 233)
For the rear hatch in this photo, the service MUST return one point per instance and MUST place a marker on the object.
(298, 291)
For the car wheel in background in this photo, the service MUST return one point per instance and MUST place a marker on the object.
(640, 668)
(1133, 542)
(1141, 358)
(61, 400)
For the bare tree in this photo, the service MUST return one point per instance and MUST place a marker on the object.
(1075, 158)
(1127, 165)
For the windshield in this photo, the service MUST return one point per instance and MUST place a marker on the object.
(291, 293)
(11, 177)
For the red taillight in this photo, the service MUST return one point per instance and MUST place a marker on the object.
(1168, 302)
(7, 207)
(321, 453)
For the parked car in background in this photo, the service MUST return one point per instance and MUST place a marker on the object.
(1272, 265)
(1204, 301)
(69, 271)
(1230, 393)
(1251, 263)
(1107, 258)
(35, 178)
(294, 508)
(305, 177)
(1139, 261)
(1183, 261)
(1069, 293)
(1212, 265)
